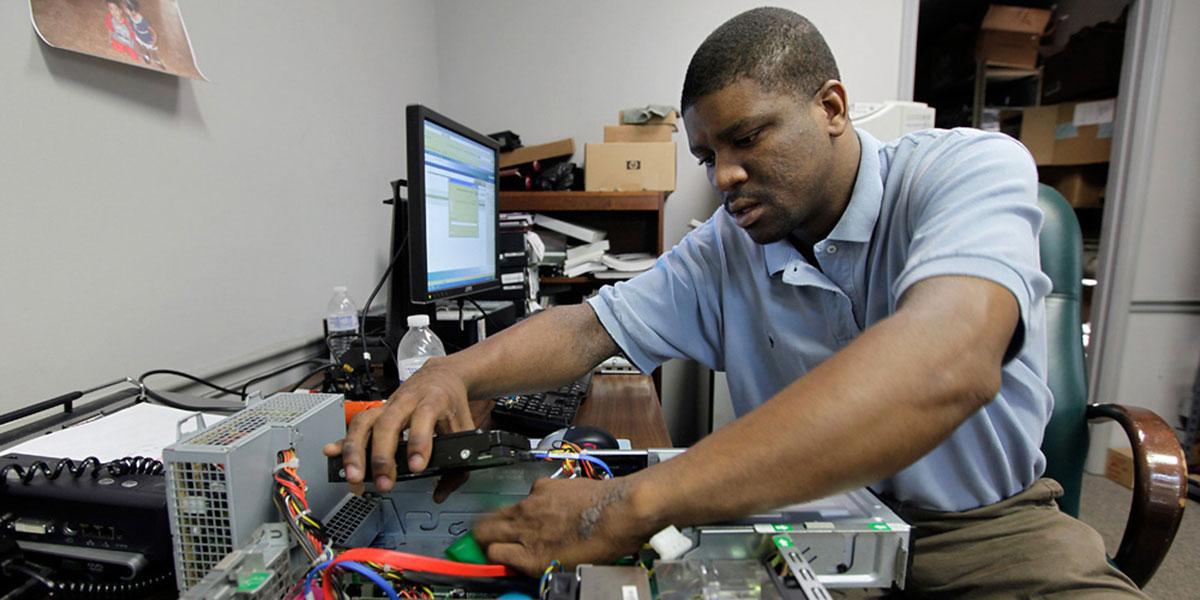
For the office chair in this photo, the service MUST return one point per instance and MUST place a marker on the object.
(1160, 473)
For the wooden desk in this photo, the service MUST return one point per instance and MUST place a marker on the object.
(625, 405)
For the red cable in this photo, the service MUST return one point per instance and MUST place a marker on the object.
(423, 564)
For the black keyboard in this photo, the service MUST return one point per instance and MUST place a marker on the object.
(540, 413)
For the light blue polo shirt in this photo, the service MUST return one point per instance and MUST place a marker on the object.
(934, 203)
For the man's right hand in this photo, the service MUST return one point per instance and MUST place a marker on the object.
(435, 397)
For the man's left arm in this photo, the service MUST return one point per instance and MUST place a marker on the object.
(964, 301)
(872, 409)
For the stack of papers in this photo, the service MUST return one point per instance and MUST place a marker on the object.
(626, 266)
(591, 256)
(579, 232)
(140, 430)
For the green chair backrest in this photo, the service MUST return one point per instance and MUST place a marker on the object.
(1066, 437)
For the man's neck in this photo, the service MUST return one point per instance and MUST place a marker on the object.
(847, 155)
(805, 248)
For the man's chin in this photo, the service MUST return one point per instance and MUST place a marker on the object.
(763, 236)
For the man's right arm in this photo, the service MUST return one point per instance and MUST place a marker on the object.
(543, 352)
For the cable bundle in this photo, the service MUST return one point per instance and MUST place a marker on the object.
(575, 462)
(291, 499)
(386, 568)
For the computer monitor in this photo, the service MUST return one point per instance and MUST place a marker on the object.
(445, 230)
(453, 208)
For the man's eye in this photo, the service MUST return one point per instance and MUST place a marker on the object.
(747, 139)
(706, 161)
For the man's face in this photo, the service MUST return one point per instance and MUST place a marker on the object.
(766, 152)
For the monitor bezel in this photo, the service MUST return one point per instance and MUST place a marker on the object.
(416, 116)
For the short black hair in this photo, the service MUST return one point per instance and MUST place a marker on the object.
(776, 47)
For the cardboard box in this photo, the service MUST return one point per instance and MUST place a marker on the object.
(629, 167)
(1088, 67)
(1119, 466)
(637, 133)
(1071, 133)
(528, 154)
(671, 120)
(1009, 36)
(1082, 185)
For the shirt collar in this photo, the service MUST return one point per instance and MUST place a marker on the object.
(857, 222)
(778, 255)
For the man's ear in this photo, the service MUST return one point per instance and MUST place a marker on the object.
(832, 99)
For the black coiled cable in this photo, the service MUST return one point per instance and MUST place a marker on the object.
(134, 465)
(115, 590)
(123, 589)
(130, 465)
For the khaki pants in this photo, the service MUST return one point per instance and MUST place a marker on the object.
(1021, 547)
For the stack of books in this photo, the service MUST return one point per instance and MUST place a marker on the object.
(626, 266)
(573, 250)
(571, 258)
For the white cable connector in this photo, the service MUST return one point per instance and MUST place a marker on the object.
(670, 544)
(287, 464)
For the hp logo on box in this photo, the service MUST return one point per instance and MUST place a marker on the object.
(633, 165)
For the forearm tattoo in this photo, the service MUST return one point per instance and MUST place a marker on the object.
(590, 517)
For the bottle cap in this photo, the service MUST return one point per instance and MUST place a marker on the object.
(339, 288)
(418, 320)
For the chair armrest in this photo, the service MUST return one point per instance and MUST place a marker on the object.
(1159, 489)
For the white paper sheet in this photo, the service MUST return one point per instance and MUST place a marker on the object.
(140, 430)
(1094, 113)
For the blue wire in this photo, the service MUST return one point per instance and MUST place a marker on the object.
(587, 457)
(312, 574)
(546, 578)
(369, 573)
(353, 566)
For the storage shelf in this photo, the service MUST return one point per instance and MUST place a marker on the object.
(581, 201)
(551, 279)
(1009, 74)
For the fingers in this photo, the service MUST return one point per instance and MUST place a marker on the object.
(332, 449)
(515, 556)
(420, 435)
(357, 435)
(496, 530)
(447, 484)
(461, 418)
(385, 436)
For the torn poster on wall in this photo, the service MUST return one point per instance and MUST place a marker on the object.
(144, 33)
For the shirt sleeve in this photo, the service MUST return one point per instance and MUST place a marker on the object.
(672, 310)
(972, 210)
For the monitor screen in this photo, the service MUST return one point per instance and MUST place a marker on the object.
(452, 208)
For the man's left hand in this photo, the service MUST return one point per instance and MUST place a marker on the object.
(577, 521)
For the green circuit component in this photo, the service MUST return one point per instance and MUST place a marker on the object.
(466, 550)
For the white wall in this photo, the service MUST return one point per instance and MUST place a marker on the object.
(1158, 346)
(148, 221)
(551, 69)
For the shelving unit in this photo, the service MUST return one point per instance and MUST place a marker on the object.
(985, 74)
(633, 220)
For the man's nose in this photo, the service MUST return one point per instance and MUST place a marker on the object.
(727, 175)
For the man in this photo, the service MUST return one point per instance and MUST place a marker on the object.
(878, 310)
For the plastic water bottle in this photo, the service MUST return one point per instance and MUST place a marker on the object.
(417, 346)
(341, 319)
